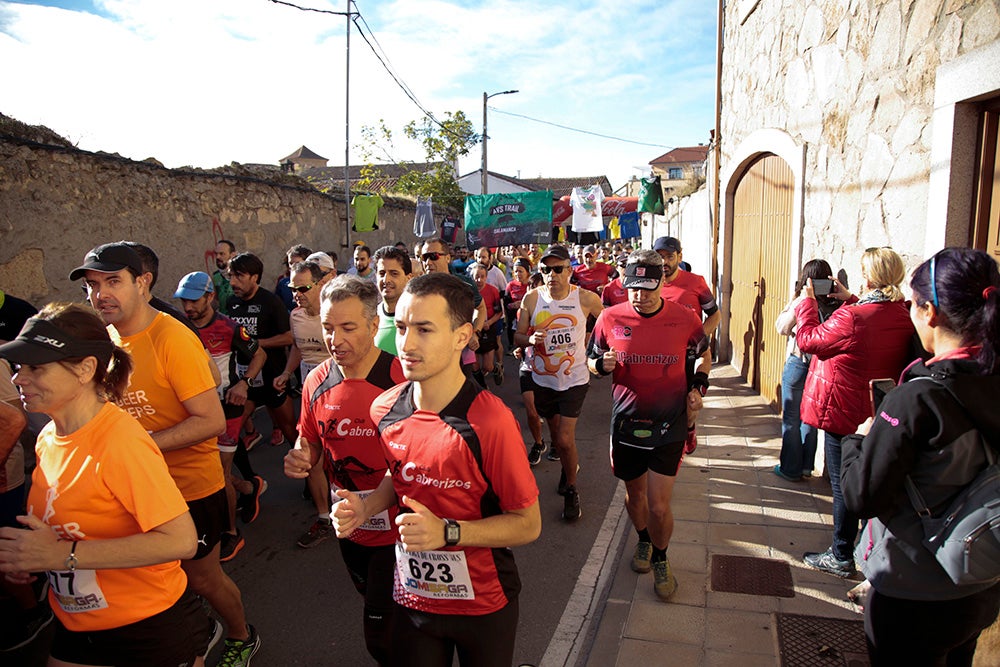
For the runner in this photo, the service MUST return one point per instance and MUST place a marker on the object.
(644, 344)
(264, 316)
(393, 269)
(336, 428)
(553, 319)
(173, 396)
(687, 289)
(239, 358)
(308, 351)
(456, 460)
(104, 517)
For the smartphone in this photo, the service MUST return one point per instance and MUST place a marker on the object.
(878, 389)
(822, 286)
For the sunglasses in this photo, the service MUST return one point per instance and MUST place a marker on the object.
(302, 289)
(549, 269)
(432, 256)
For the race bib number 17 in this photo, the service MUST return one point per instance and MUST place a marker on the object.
(77, 591)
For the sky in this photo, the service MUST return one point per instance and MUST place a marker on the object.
(207, 82)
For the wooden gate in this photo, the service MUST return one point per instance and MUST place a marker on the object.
(986, 210)
(762, 231)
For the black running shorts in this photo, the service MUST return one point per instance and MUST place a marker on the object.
(211, 519)
(171, 638)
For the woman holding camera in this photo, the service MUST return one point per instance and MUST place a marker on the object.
(798, 440)
(932, 428)
(865, 339)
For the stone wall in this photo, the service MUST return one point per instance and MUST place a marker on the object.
(56, 203)
(854, 82)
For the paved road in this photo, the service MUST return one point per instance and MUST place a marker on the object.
(304, 605)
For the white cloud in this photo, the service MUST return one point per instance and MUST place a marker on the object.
(206, 83)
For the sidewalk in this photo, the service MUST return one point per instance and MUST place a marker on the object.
(728, 502)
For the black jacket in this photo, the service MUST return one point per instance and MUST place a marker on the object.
(923, 432)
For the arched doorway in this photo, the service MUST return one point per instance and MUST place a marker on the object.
(761, 248)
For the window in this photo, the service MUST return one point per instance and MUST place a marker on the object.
(675, 173)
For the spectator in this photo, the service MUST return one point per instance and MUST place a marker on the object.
(798, 440)
(865, 339)
(914, 613)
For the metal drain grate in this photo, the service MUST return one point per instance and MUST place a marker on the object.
(752, 576)
(812, 641)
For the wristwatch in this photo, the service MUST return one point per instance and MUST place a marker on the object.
(452, 532)
(71, 561)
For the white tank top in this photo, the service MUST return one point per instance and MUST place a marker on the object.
(560, 361)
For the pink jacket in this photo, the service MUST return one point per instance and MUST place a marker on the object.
(857, 343)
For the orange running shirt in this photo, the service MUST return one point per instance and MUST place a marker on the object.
(171, 366)
(106, 480)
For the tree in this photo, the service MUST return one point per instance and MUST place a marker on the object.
(443, 141)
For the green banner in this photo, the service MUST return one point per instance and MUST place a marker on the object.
(510, 218)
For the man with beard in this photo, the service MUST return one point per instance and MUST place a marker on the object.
(644, 345)
(337, 431)
(362, 263)
(264, 316)
(687, 289)
(224, 251)
(393, 270)
(239, 358)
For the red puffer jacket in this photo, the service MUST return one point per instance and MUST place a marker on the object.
(857, 343)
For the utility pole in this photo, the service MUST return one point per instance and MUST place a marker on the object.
(483, 188)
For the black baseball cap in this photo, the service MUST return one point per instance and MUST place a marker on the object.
(668, 243)
(42, 342)
(642, 276)
(109, 258)
(557, 251)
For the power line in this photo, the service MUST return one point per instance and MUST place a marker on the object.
(574, 129)
(310, 9)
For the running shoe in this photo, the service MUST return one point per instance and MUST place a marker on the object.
(319, 532)
(214, 635)
(640, 559)
(498, 372)
(277, 437)
(829, 563)
(664, 581)
(692, 441)
(561, 489)
(535, 455)
(230, 545)
(251, 439)
(571, 504)
(239, 652)
(780, 473)
(552, 455)
(17, 634)
(249, 503)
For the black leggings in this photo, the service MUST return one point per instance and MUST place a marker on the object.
(430, 640)
(242, 461)
(371, 570)
(917, 633)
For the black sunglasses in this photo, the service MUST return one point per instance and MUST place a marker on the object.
(432, 256)
(302, 289)
(549, 269)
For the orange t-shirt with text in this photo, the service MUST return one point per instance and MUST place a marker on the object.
(103, 481)
(171, 366)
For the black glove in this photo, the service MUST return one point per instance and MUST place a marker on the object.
(699, 382)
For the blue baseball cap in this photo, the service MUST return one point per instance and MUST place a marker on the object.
(194, 286)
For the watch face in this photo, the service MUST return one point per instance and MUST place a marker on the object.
(452, 533)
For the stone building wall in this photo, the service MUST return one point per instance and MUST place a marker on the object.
(853, 82)
(56, 203)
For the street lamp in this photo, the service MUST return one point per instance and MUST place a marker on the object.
(485, 98)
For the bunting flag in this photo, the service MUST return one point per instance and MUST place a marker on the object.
(511, 218)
